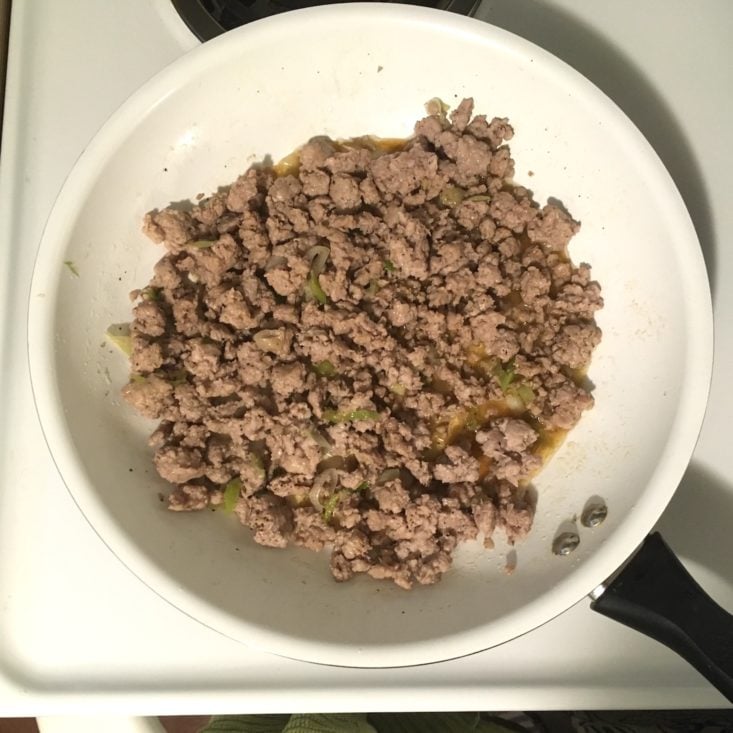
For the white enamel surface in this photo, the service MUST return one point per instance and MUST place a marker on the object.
(95, 724)
(208, 116)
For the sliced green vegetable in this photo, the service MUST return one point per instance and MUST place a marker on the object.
(436, 106)
(71, 267)
(271, 339)
(119, 335)
(321, 440)
(398, 389)
(314, 290)
(478, 197)
(318, 256)
(231, 495)
(174, 376)
(203, 243)
(138, 378)
(473, 420)
(350, 416)
(324, 369)
(504, 374)
(373, 288)
(330, 506)
(525, 393)
(451, 196)
(389, 266)
(150, 293)
(256, 460)
(389, 474)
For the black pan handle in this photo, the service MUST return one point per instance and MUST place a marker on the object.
(654, 594)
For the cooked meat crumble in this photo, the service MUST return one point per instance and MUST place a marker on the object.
(371, 349)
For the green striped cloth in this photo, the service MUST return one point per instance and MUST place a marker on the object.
(356, 723)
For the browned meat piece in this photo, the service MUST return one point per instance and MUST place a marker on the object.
(292, 448)
(495, 132)
(179, 465)
(340, 567)
(430, 128)
(248, 190)
(391, 497)
(508, 444)
(400, 313)
(211, 211)
(462, 466)
(188, 498)
(203, 358)
(209, 264)
(315, 153)
(392, 525)
(470, 214)
(422, 516)
(502, 165)
(353, 343)
(450, 257)
(147, 356)
(457, 523)
(400, 174)
(269, 517)
(515, 512)
(510, 213)
(567, 404)
(578, 300)
(484, 327)
(534, 284)
(251, 473)
(553, 228)
(284, 190)
(351, 160)
(517, 434)
(575, 343)
(473, 158)
(235, 311)
(151, 397)
(311, 530)
(150, 319)
(290, 485)
(170, 226)
(254, 365)
(461, 115)
(315, 183)
(485, 516)
(288, 378)
(351, 543)
(289, 279)
(344, 192)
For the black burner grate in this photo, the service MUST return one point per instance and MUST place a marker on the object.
(209, 18)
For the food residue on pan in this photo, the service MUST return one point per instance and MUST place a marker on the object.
(371, 347)
(71, 267)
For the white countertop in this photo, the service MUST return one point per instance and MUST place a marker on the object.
(78, 631)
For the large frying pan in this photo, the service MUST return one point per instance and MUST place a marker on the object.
(345, 70)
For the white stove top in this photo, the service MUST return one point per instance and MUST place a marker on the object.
(79, 632)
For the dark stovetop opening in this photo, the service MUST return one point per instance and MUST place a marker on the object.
(210, 18)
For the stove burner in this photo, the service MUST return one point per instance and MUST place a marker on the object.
(210, 18)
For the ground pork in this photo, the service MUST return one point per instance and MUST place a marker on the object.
(367, 352)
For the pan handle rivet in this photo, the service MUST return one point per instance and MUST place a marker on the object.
(565, 543)
(594, 515)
